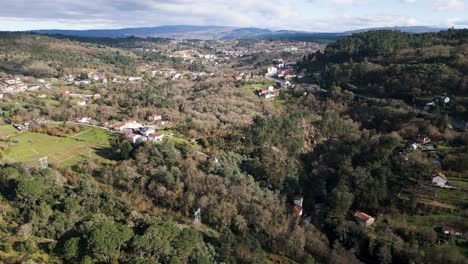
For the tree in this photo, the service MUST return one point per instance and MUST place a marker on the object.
(106, 239)
(157, 240)
(71, 248)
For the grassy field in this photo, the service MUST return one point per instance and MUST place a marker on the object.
(253, 87)
(8, 131)
(61, 151)
(457, 197)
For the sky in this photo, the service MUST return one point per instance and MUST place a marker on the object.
(307, 15)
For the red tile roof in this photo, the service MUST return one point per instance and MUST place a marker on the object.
(363, 216)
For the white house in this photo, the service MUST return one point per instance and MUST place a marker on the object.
(156, 137)
(83, 120)
(154, 117)
(134, 138)
(364, 218)
(439, 179)
(146, 131)
(130, 124)
(133, 79)
(272, 71)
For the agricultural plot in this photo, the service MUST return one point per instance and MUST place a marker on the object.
(89, 143)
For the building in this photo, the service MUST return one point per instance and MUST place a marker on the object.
(83, 120)
(134, 138)
(272, 71)
(297, 209)
(439, 179)
(134, 79)
(96, 96)
(42, 96)
(423, 140)
(269, 95)
(364, 218)
(129, 124)
(298, 200)
(156, 137)
(447, 230)
(155, 117)
(81, 103)
(262, 92)
(146, 131)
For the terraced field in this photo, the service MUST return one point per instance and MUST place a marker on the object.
(28, 147)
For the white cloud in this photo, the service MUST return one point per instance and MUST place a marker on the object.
(448, 5)
(408, 1)
(349, 2)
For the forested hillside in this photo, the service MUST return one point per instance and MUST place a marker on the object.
(334, 169)
(395, 64)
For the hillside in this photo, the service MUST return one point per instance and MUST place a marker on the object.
(183, 151)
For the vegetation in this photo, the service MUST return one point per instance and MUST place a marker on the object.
(237, 159)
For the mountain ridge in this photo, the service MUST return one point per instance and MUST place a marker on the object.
(214, 32)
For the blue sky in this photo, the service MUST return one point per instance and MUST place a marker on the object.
(309, 15)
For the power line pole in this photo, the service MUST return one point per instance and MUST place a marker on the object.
(44, 162)
(197, 218)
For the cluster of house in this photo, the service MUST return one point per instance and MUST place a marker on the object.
(83, 97)
(137, 132)
(243, 76)
(282, 70)
(441, 100)
(267, 93)
(168, 73)
(17, 85)
(420, 141)
(78, 81)
(451, 231)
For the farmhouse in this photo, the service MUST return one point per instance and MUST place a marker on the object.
(146, 131)
(439, 179)
(156, 137)
(448, 230)
(129, 124)
(154, 117)
(134, 138)
(272, 71)
(364, 218)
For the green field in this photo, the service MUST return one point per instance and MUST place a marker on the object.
(61, 151)
(253, 87)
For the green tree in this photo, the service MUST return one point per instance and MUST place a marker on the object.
(107, 239)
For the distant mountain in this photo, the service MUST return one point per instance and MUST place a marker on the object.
(413, 29)
(216, 32)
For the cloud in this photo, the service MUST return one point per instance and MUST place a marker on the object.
(349, 2)
(122, 13)
(310, 15)
(448, 5)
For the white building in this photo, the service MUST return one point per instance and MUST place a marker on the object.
(156, 137)
(272, 71)
(439, 179)
(146, 131)
(134, 138)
